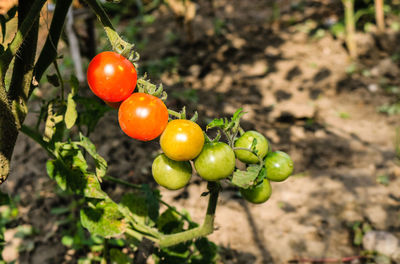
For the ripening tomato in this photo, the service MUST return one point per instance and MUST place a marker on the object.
(257, 194)
(171, 174)
(279, 166)
(215, 162)
(143, 116)
(245, 141)
(182, 140)
(111, 76)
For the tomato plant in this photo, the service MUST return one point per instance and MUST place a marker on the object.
(215, 162)
(143, 116)
(279, 166)
(111, 76)
(257, 194)
(182, 140)
(246, 141)
(171, 174)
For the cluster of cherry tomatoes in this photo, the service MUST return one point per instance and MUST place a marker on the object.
(145, 117)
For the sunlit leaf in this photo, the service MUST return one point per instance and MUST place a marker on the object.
(71, 114)
(103, 218)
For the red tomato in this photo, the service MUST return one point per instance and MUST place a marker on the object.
(111, 76)
(143, 116)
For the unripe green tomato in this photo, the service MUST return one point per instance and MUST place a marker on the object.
(258, 194)
(245, 141)
(279, 166)
(171, 174)
(215, 162)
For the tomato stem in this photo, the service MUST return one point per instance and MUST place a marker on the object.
(205, 229)
(118, 44)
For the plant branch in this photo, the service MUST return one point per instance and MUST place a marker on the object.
(205, 229)
(49, 50)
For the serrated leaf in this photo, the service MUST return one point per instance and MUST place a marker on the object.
(91, 113)
(253, 146)
(218, 122)
(117, 257)
(71, 114)
(101, 164)
(74, 180)
(51, 122)
(53, 79)
(137, 205)
(93, 188)
(238, 114)
(103, 219)
(247, 178)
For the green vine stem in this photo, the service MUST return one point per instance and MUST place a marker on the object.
(205, 229)
(116, 41)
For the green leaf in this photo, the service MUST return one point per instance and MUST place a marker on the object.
(152, 197)
(358, 237)
(208, 251)
(170, 222)
(71, 114)
(53, 79)
(101, 164)
(51, 122)
(74, 180)
(136, 203)
(93, 188)
(249, 177)
(117, 257)
(218, 122)
(92, 111)
(67, 241)
(103, 218)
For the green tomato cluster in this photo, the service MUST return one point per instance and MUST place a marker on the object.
(217, 161)
(278, 164)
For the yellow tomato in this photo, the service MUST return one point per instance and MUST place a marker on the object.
(182, 140)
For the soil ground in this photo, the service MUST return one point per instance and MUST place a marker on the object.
(297, 90)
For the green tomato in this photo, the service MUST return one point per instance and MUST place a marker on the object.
(258, 194)
(245, 141)
(171, 174)
(216, 161)
(279, 166)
